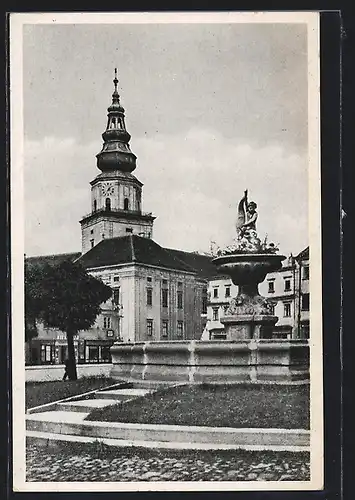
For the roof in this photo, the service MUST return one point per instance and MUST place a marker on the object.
(304, 255)
(132, 249)
(136, 249)
(201, 263)
(41, 260)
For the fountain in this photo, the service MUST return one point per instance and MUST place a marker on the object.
(249, 354)
(247, 261)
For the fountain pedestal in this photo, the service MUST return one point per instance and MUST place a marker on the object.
(249, 315)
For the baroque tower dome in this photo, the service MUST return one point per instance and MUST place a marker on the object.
(116, 153)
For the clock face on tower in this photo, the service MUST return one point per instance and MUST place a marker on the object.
(107, 189)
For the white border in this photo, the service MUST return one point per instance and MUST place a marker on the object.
(17, 20)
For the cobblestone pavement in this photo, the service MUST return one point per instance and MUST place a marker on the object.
(92, 463)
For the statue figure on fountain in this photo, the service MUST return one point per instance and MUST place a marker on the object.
(247, 240)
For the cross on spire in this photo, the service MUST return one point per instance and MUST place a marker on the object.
(115, 80)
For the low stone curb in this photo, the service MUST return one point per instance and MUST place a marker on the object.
(50, 440)
(188, 435)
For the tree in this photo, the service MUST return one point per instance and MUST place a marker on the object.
(33, 299)
(70, 301)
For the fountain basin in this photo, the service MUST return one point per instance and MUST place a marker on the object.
(248, 268)
(248, 315)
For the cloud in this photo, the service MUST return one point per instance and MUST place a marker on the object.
(193, 183)
(200, 179)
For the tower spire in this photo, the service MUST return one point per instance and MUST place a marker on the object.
(116, 153)
(115, 92)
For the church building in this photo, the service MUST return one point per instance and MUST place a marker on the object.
(158, 293)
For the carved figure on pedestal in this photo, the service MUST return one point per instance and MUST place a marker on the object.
(247, 215)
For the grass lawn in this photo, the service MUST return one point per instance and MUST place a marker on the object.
(40, 393)
(277, 406)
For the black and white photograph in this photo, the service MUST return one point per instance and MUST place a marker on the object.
(166, 251)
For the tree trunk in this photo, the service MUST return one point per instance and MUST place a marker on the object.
(72, 374)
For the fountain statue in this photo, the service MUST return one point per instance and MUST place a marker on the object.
(247, 261)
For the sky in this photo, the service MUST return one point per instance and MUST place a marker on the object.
(213, 109)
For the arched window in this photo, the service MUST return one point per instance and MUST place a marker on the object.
(108, 204)
(126, 204)
(95, 205)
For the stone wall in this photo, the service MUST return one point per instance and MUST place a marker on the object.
(212, 361)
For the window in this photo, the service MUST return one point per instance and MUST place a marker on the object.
(129, 230)
(287, 309)
(165, 282)
(149, 296)
(46, 353)
(108, 204)
(272, 309)
(126, 204)
(228, 291)
(305, 331)
(92, 231)
(116, 278)
(149, 279)
(103, 236)
(271, 287)
(215, 292)
(204, 301)
(287, 285)
(116, 296)
(93, 353)
(165, 324)
(107, 322)
(180, 329)
(179, 284)
(164, 297)
(149, 327)
(179, 300)
(215, 313)
(92, 243)
(305, 302)
(106, 354)
(305, 273)
(95, 205)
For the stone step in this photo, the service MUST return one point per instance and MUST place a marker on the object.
(56, 417)
(51, 439)
(154, 384)
(65, 423)
(121, 394)
(85, 405)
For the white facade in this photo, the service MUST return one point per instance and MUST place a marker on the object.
(150, 303)
(287, 289)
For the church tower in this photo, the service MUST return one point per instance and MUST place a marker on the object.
(116, 194)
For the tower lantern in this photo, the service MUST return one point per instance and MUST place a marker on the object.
(115, 152)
